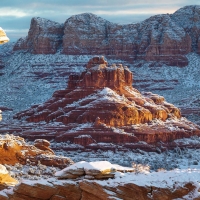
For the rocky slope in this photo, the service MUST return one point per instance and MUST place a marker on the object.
(127, 184)
(45, 73)
(88, 190)
(189, 19)
(44, 36)
(166, 38)
(100, 105)
(14, 149)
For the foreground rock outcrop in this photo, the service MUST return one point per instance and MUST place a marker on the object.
(127, 186)
(91, 190)
(14, 149)
(5, 178)
(100, 105)
(166, 38)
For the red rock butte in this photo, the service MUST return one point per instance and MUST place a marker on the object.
(100, 105)
(165, 38)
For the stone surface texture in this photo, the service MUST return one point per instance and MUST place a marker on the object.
(44, 37)
(166, 38)
(100, 105)
(14, 149)
(95, 190)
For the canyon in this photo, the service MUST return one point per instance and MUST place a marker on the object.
(92, 87)
(101, 106)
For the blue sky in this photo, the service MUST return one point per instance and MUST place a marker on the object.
(15, 15)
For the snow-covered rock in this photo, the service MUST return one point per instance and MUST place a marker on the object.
(5, 177)
(14, 149)
(101, 102)
(91, 170)
(176, 184)
(163, 38)
(3, 36)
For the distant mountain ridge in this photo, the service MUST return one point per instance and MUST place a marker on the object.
(166, 38)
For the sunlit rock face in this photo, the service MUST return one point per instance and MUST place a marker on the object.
(100, 105)
(158, 38)
(106, 92)
(3, 36)
(14, 149)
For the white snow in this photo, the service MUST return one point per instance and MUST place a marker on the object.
(97, 165)
(3, 169)
(162, 179)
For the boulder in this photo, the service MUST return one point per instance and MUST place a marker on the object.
(142, 185)
(42, 145)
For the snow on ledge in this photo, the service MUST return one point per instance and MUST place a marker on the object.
(3, 169)
(98, 165)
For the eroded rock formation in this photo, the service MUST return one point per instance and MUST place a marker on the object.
(166, 38)
(5, 178)
(188, 18)
(44, 37)
(14, 149)
(102, 104)
(101, 190)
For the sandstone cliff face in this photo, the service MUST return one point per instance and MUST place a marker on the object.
(14, 149)
(157, 38)
(165, 38)
(188, 18)
(44, 37)
(86, 34)
(101, 99)
(99, 190)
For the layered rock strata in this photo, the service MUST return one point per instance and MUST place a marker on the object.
(100, 105)
(188, 18)
(166, 38)
(118, 183)
(102, 190)
(44, 37)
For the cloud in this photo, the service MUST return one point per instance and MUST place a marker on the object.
(8, 11)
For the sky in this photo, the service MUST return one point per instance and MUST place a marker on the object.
(15, 15)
